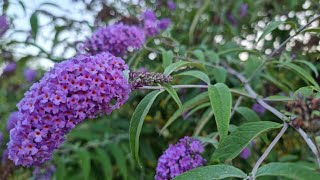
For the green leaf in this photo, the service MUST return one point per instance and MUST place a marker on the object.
(315, 30)
(203, 121)
(303, 73)
(288, 170)
(212, 56)
(137, 120)
(221, 101)
(120, 158)
(197, 74)
(61, 169)
(201, 106)
(233, 144)
(251, 65)
(199, 54)
(199, 99)
(211, 172)
(270, 27)
(173, 94)
(167, 57)
(305, 91)
(179, 64)
(34, 23)
(220, 74)
(278, 98)
(84, 158)
(105, 162)
(276, 82)
(232, 50)
(310, 65)
(248, 114)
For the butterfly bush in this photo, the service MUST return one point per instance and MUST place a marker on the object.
(116, 39)
(82, 87)
(179, 158)
(10, 67)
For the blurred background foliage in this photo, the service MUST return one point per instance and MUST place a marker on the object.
(44, 32)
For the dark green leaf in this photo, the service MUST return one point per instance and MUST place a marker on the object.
(303, 73)
(212, 56)
(248, 114)
(137, 120)
(211, 172)
(180, 64)
(219, 74)
(173, 94)
(278, 98)
(105, 162)
(120, 158)
(233, 144)
(84, 162)
(197, 74)
(199, 54)
(288, 170)
(310, 65)
(34, 24)
(221, 101)
(167, 57)
(270, 27)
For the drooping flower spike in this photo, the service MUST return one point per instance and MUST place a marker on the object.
(179, 158)
(116, 39)
(82, 87)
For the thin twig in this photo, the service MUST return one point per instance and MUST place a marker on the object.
(265, 154)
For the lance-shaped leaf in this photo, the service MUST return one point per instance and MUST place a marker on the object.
(288, 170)
(180, 64)
(197, 74)
(34, 23)
(221, 101)
(167, 57)
(212, 172)
(173, 94)
(232, 145)
(248, 114)
(137, 122)
(270, 27)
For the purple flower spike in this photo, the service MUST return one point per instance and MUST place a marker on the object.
(149, 15)
(12, 120)
(164, 23)
(30, 74)
(82, 87)
(179, 158)
(243, 9)
(10, 67)
(258, 109)
(171, 5)
(245, 153)
(4, 25)
(116, 39)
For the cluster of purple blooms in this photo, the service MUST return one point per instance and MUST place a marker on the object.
(151, 25)
(179, 158)
(82, 87)
(116, 39)
(259, 109)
